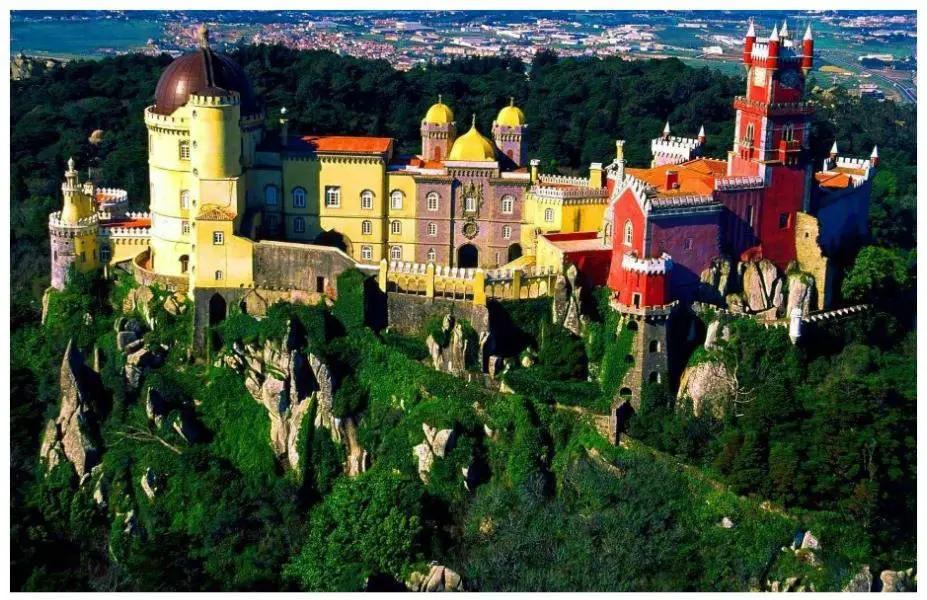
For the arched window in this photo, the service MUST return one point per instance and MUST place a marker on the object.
(655, 377)
(506, 232)
(105, 253)
(395, 252)
(299, 197)
(628, 233)
(184, 263)
(219, 275)
(270, 195)
(748, 138)
(366, 227)
(608, 231)
(432, 255)
(299, 225)
(549, 215)
(433, 199)
(654, 346)
(395, 199)
(184, 199)
(508, 204)
(788, 132)
(470, 204)
(332, 196)
(395, 227)
(366, 252)
(366, 199)
(432, 229)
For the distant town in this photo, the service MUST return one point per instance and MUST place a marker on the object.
(868, 53)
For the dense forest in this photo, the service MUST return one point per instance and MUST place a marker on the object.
(826, 443)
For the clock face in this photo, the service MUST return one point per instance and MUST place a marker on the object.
(759, 76)
(789, 79)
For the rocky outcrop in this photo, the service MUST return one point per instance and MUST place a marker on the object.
(450, 358)
(714, 332)
(438, 579)
(566, 305)
(74, 434)
(707, 387)
(715, 281)
(762, 285)
(801, 293)
(861, 582)
(151, 484)
(897, 581)
(437, 443)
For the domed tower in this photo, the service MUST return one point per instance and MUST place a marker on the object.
(472, 147)
(438, 131)
(510, 133)
(73, 230)
(202, 132)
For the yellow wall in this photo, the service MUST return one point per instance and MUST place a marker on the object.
(86, 244)
(548, 255)
(353, 177)
(233, 257)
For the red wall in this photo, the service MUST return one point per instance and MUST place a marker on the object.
(784, 194)
(626, 208)
(669, 234)
(652, 288)
(594, 264)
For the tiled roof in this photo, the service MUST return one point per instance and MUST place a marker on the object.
(129, 223)
(341, 144)
(833, 180)
(695, 176)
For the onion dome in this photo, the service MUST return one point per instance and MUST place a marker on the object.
(205, 73)
(511, 115)
(472, 146)
(439, 114)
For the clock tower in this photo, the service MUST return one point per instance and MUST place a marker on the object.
(771, 134)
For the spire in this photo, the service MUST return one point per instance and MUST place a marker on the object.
(833, 149)
(808, 35)
(751, 32)
(784, 32)
(202, 35)
(875, 152)
(666, 130)
(71, 163)
(440, 101)
(774, 36)
(473, 122)
(701, 132)
(511, 100)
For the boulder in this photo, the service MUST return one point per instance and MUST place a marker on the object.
(896, 581)
(124, 338)
(566, 305)
(801, 292)
(714, 281)
(809, 541)
(150, 483)
(438, 579)
(714, 331)
(861, 582)
(74, 433)
(735, 303)
(707, 386)
(495, 366)
(451, 358)
(437, 444)
(727, 523)
(762, 285)
(155, 406)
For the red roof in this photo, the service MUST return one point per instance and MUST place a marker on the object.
(833, 180)
(129, 223)
(694, 177)
(342, 144)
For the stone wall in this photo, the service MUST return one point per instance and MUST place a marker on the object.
(409, 314)
(305, 267)
(811, 259)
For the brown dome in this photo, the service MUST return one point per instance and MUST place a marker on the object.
(205, 73)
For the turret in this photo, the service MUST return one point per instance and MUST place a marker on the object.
(874, 157)
(784, 32)
(748, 46)
(666, 131)
(619, 162)
(73, 230)
(701, 135)
(534, 165)
(773, 49)
(807, 45)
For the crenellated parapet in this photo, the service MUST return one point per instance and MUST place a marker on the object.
(734, 183)
(660, 265)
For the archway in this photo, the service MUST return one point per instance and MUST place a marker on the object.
(184, 263)
(514, 252)
(217, 309)
(468, 256)
(334, 239)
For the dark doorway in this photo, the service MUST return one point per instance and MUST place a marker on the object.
(468, 256)
(514, 252)
(334, 239)
(623, 414)
(217, 309)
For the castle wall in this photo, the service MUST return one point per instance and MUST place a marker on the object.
(286, 265)
(784, 196)
(812, 260)
(692, 240)
(843, 216)
(739, 220)
(408, 314)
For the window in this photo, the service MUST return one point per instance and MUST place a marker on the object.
(332, 196)
(185, 199)
(748, 138)
(184, 263)
(783, 220)
(548, 215)
(366, 227)
(83, 257)
(395, 252)
(367, 200)
(395, 227)
(366, 253)
(628, 233)
(654, 346)
(470, 204)
(272, 221)
(508, 205)
(105, 253)
(218, 238)
(218, 275)
(788, 132)
(433, 199)
(299, 198)
(432, 255)
(636, 300)
(506, 232)
(432, 229)
(270, 195)
(299, 225)
(185, 227)
(395, 200)
(687, 244)
(320, 284)
(184, 150)
(750, 215)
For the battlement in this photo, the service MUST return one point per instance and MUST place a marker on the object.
(846, 162)
(54, 220)
(230, 98)
(725, 184)
(111, 195)
(674, 145)
(559, 193)
(775, 108)
(647, 266)
(165, 121)
(565, 180)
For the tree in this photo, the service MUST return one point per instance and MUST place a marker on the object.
(878, 274)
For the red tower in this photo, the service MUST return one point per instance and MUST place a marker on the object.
(771, 135)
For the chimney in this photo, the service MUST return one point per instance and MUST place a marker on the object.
(535, 163)
(595, 175)
(672, 180)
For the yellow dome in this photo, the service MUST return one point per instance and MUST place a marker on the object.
(439, 114)
(511, 115)
(472, 146)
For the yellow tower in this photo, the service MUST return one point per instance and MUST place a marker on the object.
(73, 230)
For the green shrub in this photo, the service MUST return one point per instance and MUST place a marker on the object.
(350, 306)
